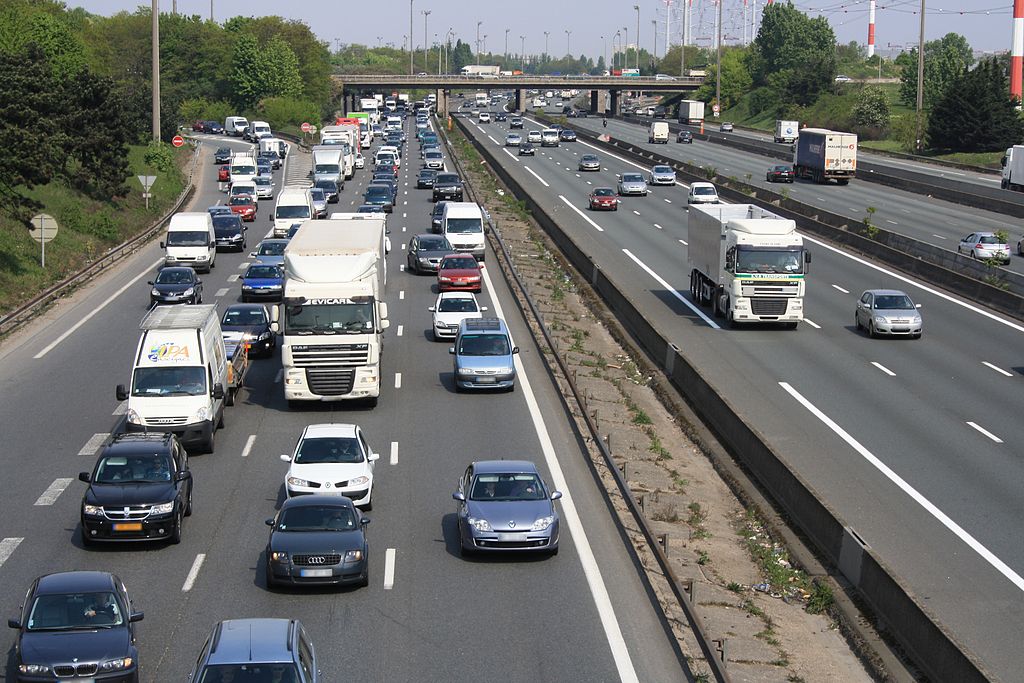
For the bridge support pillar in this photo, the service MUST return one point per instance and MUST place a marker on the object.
(598, 101)
(442, 102)
(615, 104)
(520, 100)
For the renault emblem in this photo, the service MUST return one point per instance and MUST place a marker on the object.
(511, 525)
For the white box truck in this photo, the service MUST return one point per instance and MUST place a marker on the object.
(824, 155)
(658, 132)
(329, 164)
(786, 131)
(243, 167)
(747, 263)
(181, 375)
(691, 112)
(235, 125)
(333, 315)
(1013, 169)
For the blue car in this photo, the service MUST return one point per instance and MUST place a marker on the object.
(262, 281)
(484, 356)
(379, 195)
(270, 252)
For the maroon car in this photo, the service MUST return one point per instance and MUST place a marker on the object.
(604, 199)
(459, 272)
(224, 174)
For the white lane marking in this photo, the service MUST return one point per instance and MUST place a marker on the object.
(914, 494)
(394, 452)
(493, 140)
(891, 221)
(403, 247)
(243, 265)
(93, 444)
(405, 215)
(193, 573)
(582, 215)
(658, 227)
(984, 431)
(398, 380)
(401, 328)
(636, 212)
(247, 449)
(684, 243)
(844, 291)
(812, 323)
(661, 281)
(401, 268)
(939, 236)
(997, 369)
(121, 408)
(278, 376)
(222, 291)
(543, 182)
(401, 294)
(403, 228)
(883, 369)
(233, 277)
(49, 496)
(7, 547)
(668, 201)
(512, 156)
(918, 285)
(389, 569)
(88, 316)
(571, 517)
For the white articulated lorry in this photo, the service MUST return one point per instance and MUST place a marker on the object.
(824, 155)
(747, 263)
(786, 131)
(691, 112)
(333, 315)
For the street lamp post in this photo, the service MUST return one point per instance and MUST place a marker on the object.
(654, 24)
(438, 43)
(156, 71)
(567, 50)
(447, 46)
(410, 37)
(506, 44)
(485, 44)
(718, 61)
(478, 25)
(615, 53)
(625, 47)
(920, 80)
(522, 53)
(546, 34)
(604, 51)
(637, 8)
(426, 13)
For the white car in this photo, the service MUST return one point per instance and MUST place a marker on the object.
(485, 117)
(360, 161)
(332, 459)
(984, 246)
(702, 193)
(534, 136)
(450, 309)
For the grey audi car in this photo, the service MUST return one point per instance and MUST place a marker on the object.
(504, 505)
(632, 183)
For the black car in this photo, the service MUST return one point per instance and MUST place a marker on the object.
(425, 178)
(230, 231)
(222, 155)
(566, 135)
(569, 112)
(685, 136)
(515, 122)
(390, 183)
(780, 174)
(269, 157)
(526, 149)
(330, 189)
(254, 650)
(379, 195)
(426, 252)
(370, 208)
(213, 127)
(176, 285)
(251, 322)
(79, 626)
(140, 489)
(436, 217)
(317, 540)
(447, 186)
(501, 116)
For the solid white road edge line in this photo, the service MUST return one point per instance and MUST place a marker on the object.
(88, 316)
(543, 182)
(49, 496)
(8, 546)
(580, 212)
(883, 369)
(914, 494)
(591, 569)
(248, 445)
(389, 569)
(1002, 372)
(193, 573)
(661, 281)
(984, 431)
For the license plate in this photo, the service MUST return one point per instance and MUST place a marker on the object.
(511, 537)
(128, 526)
(314, 573)
(486, 380)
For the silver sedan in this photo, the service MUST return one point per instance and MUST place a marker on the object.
(662, 175)
(632, 183)
(888, 311)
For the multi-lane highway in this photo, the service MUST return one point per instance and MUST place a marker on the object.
(914, 443)
(428, 614)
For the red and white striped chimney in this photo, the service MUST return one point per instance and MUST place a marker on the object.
(871, 29)
(1017, 51)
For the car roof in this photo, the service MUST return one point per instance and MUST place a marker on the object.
(701, 184)
(317, 499)
(885, 292)
(239, 641)
(329, 429)
(75, 582)
(168, 269)
(274, 240)
(245, 307)
(483, 325)
(457, 295)
(141, 443)
(504, 466)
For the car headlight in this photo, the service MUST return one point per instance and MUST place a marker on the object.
(274, 287)
(358, 481)
(543, 523)
(246, 286)
(116, 664)
(92, 510)
(237, 237)
(279, 557)
(916, 320)
(295, 481)
(467, 371)
(202, 414)
(155, 292)
(479, 524)
(133, 416)
(443, 278)
(33, 669)
(201, 257)
(188, 292)
(353, 556)
(880, 320)
(162, 509)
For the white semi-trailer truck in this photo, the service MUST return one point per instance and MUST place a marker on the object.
(747, 263)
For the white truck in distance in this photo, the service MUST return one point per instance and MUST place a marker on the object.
(691, 112)
(1013, 169)
(824, 155)
(481, 70)
(786, 131)
(747, 263)
(333, 315)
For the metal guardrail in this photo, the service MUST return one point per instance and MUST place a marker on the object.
(24, 313)
(713, 656)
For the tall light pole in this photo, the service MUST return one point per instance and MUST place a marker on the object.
(567, 34)
(637, 8)
(156, 70)
(447, 46)
(426, 13)
(379, 39)
(718, 61)
(625, 47)
(438, 43)
(618, 34)
(654, 24)
(478, 25)
(522, 53)
(682, 41)
(410, 37)
(485, 44)
(546, 34)
(604, 51)
(920, 79)
(506, 44)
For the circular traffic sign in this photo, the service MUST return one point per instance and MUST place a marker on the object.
(714, 108)
(312, 129)
(305, 127)
(177, 141)
(43, 227)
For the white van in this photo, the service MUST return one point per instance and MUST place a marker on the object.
(257, 130)
(243, 168)
(275, 145)
(294, 205)
(549, 137)
(243, 187)
(191, 241)
(393, 123)
(235, 125)
(463, 224)
(702, 193)
(658, 132)
(386, 159)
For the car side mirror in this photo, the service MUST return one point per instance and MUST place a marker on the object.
(459, 497)
(269, 522)
(13, 623)
(515, 349)
(198, 281)
(373, 456)
(807, 257)
(213, 244)
(149, 282)
(482, 264)
(162, 245)
(182, 475)
(483, 308)
(252, 254)
(555, 495)
(364, 521)
(218, 391)
(451, 350)
(84, 476)
(121, 392)
(430, 308)
(274, 327)
(136, 616)
(286, 458)
(917, 305)
(270, 217)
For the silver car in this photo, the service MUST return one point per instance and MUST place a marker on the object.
(503, 505)
(985, 245)
(888, 311)
(590, 162)
(319, 202)
(264, 187)
(513, 140)
(632, 183)
(662, 175)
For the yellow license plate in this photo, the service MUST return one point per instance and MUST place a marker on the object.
(128, 526)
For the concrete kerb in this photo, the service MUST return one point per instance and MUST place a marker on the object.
(932, 647)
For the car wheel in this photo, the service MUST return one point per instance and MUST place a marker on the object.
(188, 505)
(175, 537)
(553, 551)
(272, 583)
(856, 322)
(916, 336)
(209, 445)
(365, 581)
(871, 330)
(972, 254)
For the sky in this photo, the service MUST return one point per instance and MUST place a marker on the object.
(985, 23)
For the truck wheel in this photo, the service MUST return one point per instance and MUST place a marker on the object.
(856, 322)
(790, 326)
(220, 420)
(229, 398)
(716, 311)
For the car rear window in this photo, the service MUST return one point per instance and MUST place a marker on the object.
(990, 239)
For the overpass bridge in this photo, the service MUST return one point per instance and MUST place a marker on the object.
(605, 91)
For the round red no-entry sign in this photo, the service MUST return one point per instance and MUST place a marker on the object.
(177, 141)
(305, 127)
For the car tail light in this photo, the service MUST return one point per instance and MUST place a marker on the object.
(979, 245)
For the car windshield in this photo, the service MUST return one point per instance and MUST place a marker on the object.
(369, 209)
(632, 178)
(893, 302)
(443, 178)
(377, 191)
(433, 155)
(457, 305)
(133, 469)
(328, 449)
(463, 226)
(189, 380)
(459, 263)
(604, 192)
(327, 168)
(175, 276)
(316, 518)
(242, 200)
(227, 225)
(588, 157)
(781, 169)
(662, 169)
(271, 248)
(188, 238)
(261, 181)
(249, 673)
(317, 194)
(484, 345)
(434, 244)
(238, 317)
(75, 611)
(507, 487)
(262, 271)
(704, 190)
(291, 211)
(327, 186)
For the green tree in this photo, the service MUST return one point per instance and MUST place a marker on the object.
(793, 53)
(736, 80)
(246, 79)
(945, 60)
(45, 25)
(976, 112)
(280, 68)
(872, 109)
(461, 56)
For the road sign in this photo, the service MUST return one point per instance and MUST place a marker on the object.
(305, 127)
(177, 141)
(312, 129)
(715, 108)
(147, 181)
(43, 229)
(715, 114)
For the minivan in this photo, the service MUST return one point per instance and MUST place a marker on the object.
(549, 137)
(294, 205)
(191, 241)
(484, 356)
(463, 224)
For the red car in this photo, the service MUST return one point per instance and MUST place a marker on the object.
(224, 174)
(604, 199)
(199, 127)
(244, 205)
(459, 272)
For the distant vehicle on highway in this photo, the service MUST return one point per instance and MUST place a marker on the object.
(426, 252)
(632, 184)
(726, 127)
(603, 199)
(889, 312)
(176, 285)
(985, 245)
(589, 162)
(460, 272)
(685, 137)
(450, 309)
(252, 321)
(842, 79)
(780, 174)
(262, 281)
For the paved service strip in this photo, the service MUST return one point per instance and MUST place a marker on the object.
(668, 288)
(49, 496)
(530, 171)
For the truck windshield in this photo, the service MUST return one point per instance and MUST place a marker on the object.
(327, 168)
(463, 226)
(188, 238)
(788, 261)
(339, 317)
(169, 381)
(243, 170)
(292, 211)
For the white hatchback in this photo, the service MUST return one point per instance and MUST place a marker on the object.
(534, 137)
(450, 309)
(332, 459)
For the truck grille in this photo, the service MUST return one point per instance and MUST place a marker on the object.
(770, 288)
(343, 355)
(324, 560)
(328, 382)
(768, 306)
